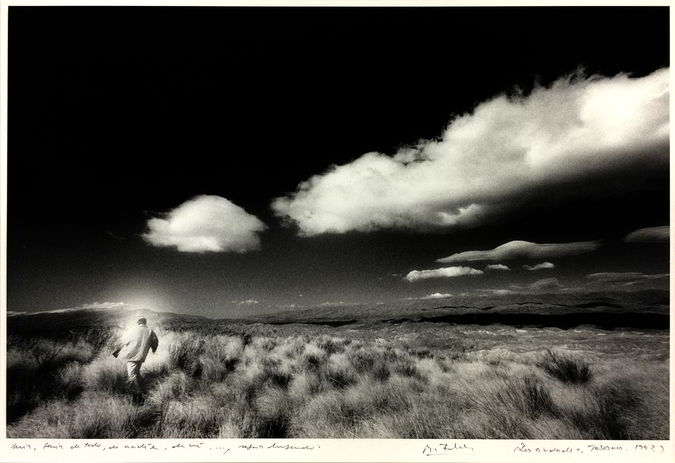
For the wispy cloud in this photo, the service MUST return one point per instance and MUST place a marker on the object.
(498, 292)
(497, 267)
(542, 266)
(98, 306)
(437, 296)
(523, 250)
(429, 297)
(489, 160)
(623, 277)
(445, 272)
(545, 284)
(650, 234)
(206, 224)
(247, 302)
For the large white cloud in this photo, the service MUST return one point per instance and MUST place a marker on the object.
(649, 234)
(445, 272)
(524, 250)
(206, 224)
(485, 161)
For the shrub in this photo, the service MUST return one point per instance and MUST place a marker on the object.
(370, 362)
(274, 408)
(565, 369)
(191, 417)
(173, 387)
(106, 374)
(94, 415)
(339, 372)
(330, 345)
(184, 355)
(40, 370)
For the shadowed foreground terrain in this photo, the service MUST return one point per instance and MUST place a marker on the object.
(371, 379)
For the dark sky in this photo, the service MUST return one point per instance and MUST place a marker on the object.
(120, 115)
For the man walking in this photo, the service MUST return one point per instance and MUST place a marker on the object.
(134, 349)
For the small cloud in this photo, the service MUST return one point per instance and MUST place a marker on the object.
(542, 266)
(114, 235)
(624, 277)
(523, 250)
(499, 292)
(14, 313)
(103, 305)
(436, 296)
(247, 302)
(91, 306)
(648, 235)
(332, 304)
(445, 272)
(497, 267)
(206, 224)
(546, 283)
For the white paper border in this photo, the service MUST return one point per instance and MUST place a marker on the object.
(337, 450)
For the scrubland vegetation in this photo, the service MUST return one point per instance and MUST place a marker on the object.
(345, 384)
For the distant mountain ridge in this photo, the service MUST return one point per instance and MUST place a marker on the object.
(643, 309)
(657, 301)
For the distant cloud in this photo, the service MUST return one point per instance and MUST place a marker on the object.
(546, 283)
(14, 313)
(436, 296)
(623, 277)
(523, 250)
(103, 305)
(542, 266)
(335, 304)
(490, 160)
(90, 306)
(114, 235)
(247, 302)
(206, 224)
(649, 235)
(445, 272)
(499, 292)
(497, 267)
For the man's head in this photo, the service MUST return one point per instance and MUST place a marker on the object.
(142, 321)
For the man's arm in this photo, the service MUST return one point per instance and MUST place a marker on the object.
(154, 342)
(121, 344)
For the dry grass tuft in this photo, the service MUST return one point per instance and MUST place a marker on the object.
(565, 368)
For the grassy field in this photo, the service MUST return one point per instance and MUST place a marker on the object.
(377, 380)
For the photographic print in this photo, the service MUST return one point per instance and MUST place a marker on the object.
(302, 222)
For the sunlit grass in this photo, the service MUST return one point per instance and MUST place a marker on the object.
(241, 386)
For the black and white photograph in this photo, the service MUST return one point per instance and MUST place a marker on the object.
(337, 222)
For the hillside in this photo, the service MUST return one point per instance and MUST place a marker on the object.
(642, 310)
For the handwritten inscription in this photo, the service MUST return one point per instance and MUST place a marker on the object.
(259, 448)
(590, 448)
(22, 447)
(157, 447)
(446, 449)
(277, 446)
